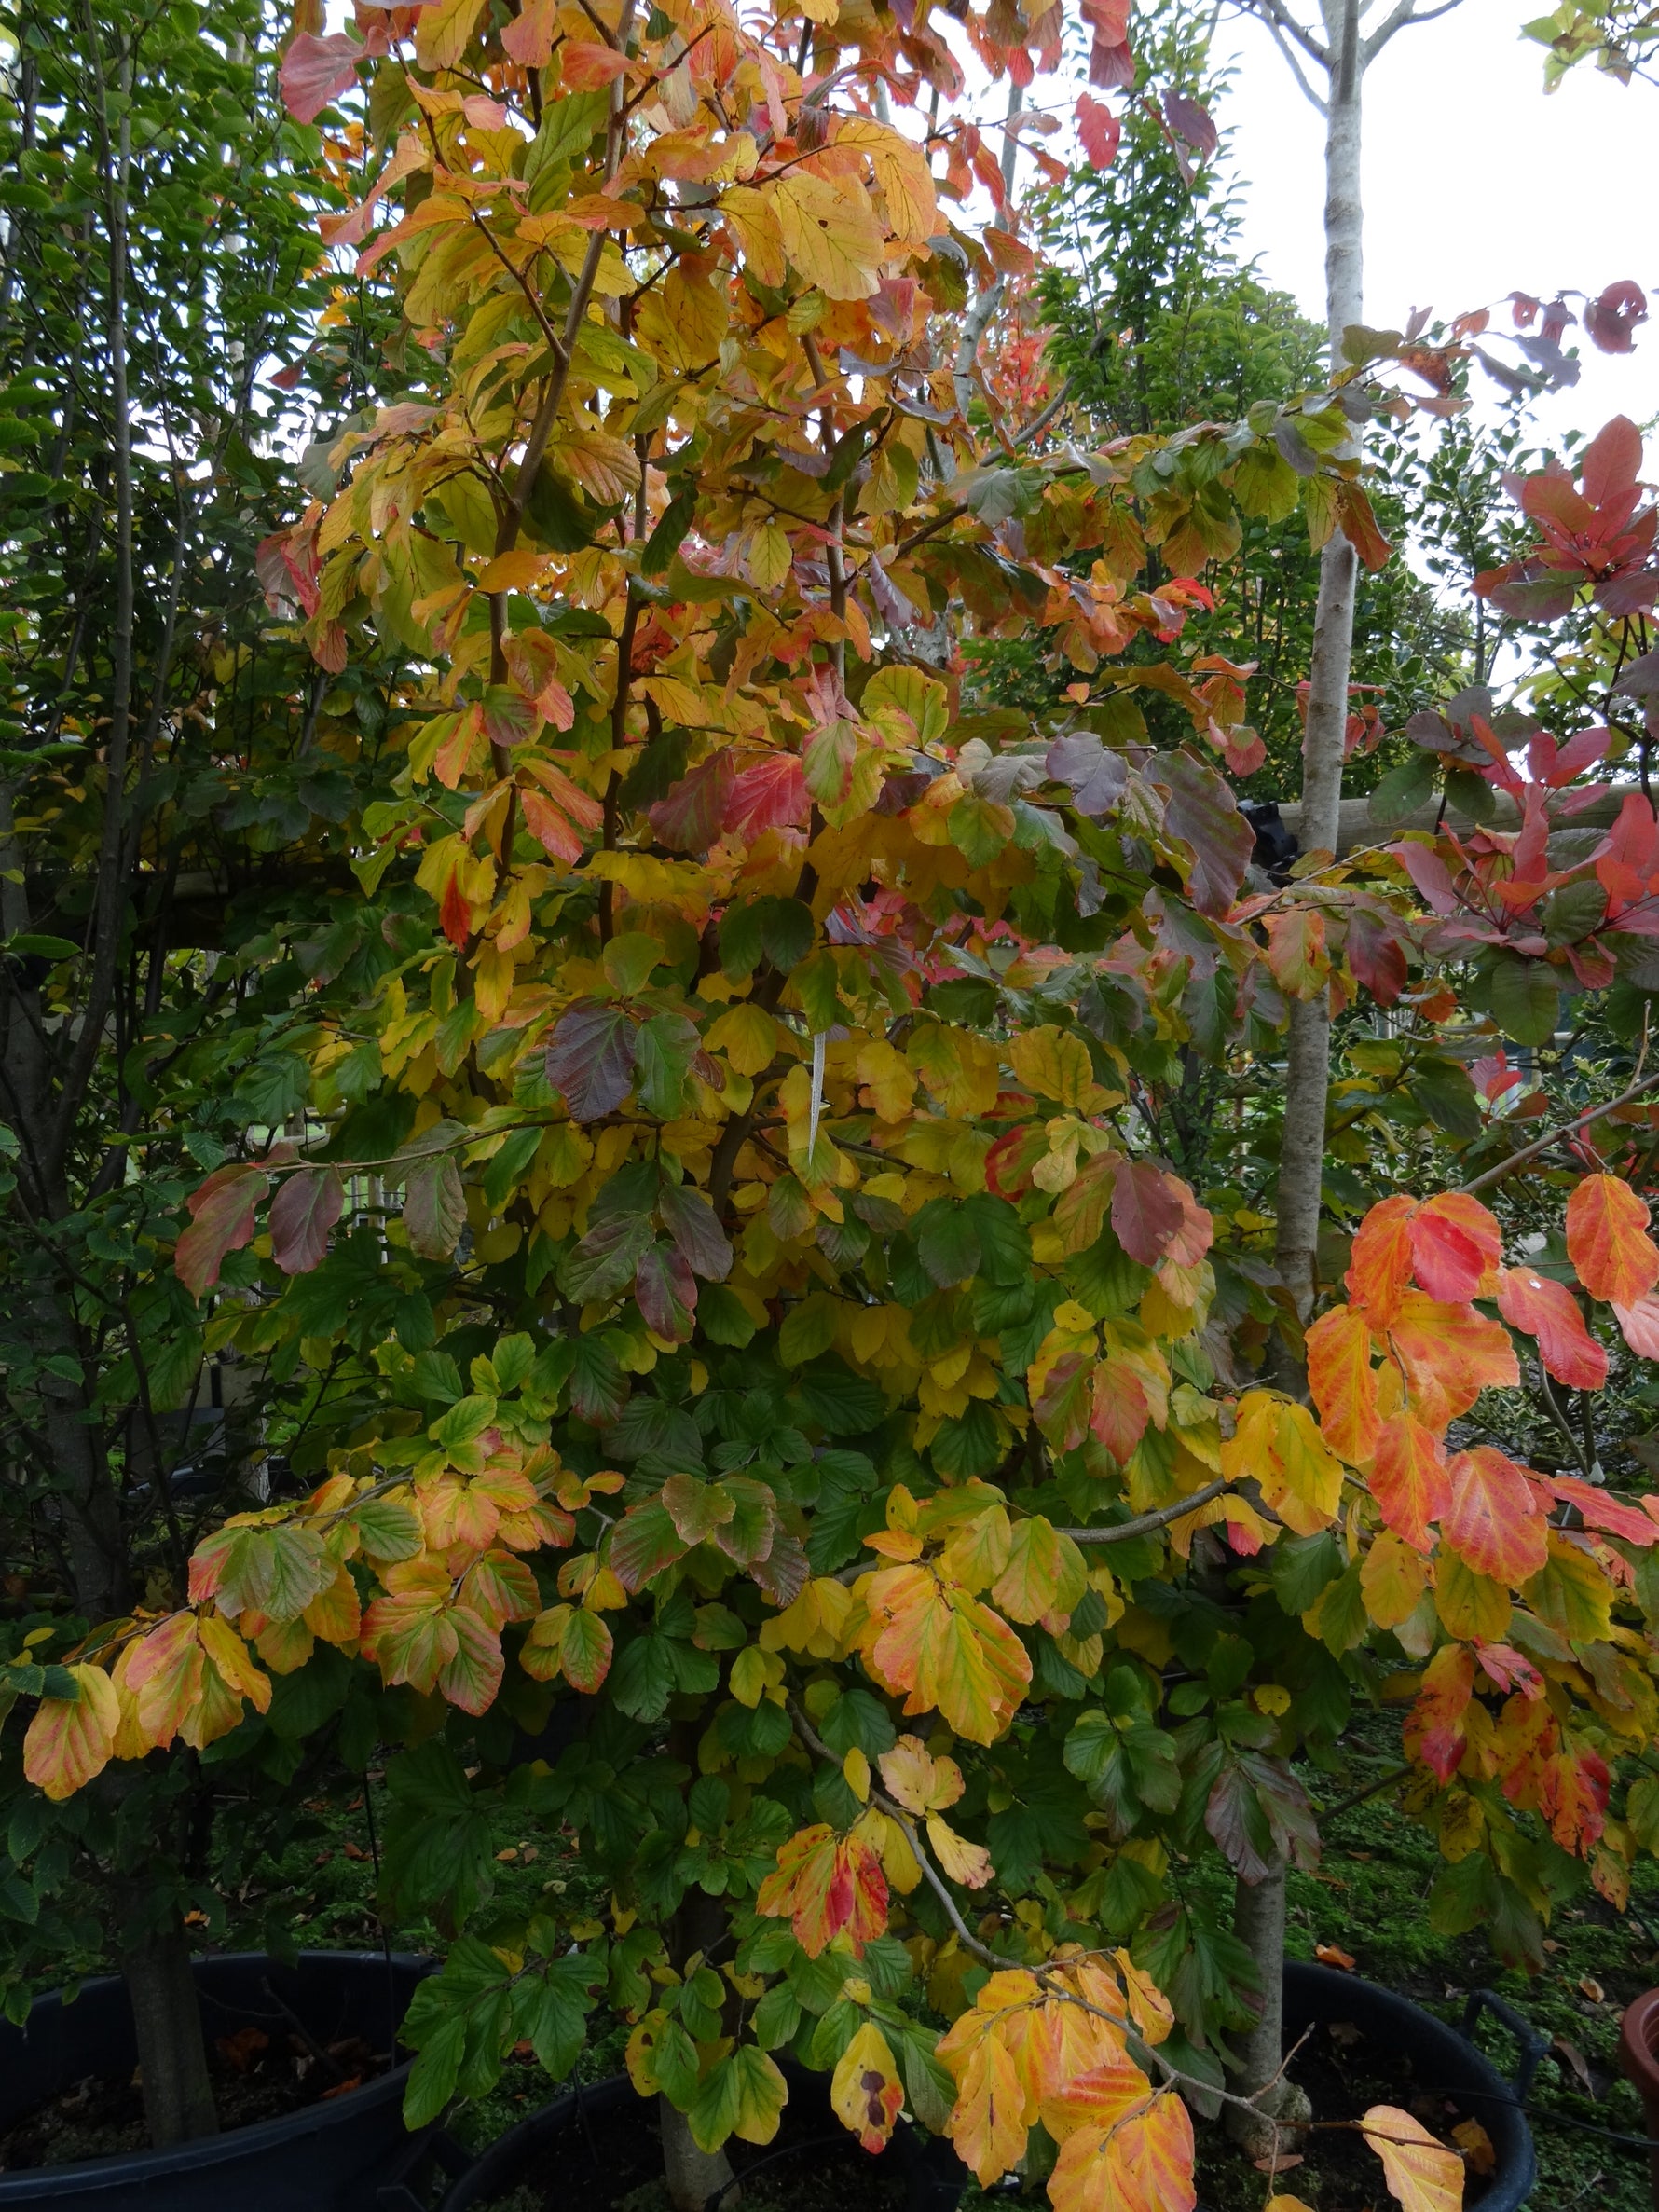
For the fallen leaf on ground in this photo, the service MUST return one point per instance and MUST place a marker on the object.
(1589, 1987)
(1478, 2154)
(1333, 1954)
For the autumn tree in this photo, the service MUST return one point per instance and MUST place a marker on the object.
(747, 1304)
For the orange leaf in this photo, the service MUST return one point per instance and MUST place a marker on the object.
(1140, 2164)
(1423, 2174)
(1549, 1312)
(1608, 1241)
(1409, 1479)
(1449, 1354)
(1433, 1733)
(1343, 1382)
(1379, 1265)
(1333, 1955)
(952, 1655)
(513, 571)
(1493, 1521)
(987, 2120)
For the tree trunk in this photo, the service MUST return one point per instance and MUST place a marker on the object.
(1308, 1075)
(1259, 1922)
(166, 2018)
(693, 2174)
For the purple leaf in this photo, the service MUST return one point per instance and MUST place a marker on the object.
(590, 1058)
(694, 1226)
(666, 1292)
(1201, 811)
(1191, 123)
(688, 819)
(305, 1209)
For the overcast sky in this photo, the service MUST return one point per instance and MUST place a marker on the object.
(1477, 185)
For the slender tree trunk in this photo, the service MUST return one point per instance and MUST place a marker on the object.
(166, 2021)
(1307, 1075)
(1258, 1909)
(1259, 1922)
(693, 2174)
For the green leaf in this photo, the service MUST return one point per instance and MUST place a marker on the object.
(1525, 998)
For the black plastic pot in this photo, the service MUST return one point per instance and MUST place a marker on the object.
(583, 2137)
(1443, 2060)
(327, 2158)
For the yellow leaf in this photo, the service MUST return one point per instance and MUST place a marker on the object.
(919, 1781)
(70, 1739)
(1392, 1578)
(962, 1861)
(855, 1768)
(768, 557)
(442, 32)
(753, 223)
(1055, 1064)
(829, 233)
(1423, 2174)
(865, 2091)
(888, 1076)
(900, 171)
(748, 1036)
(513, 571)
(748, 1676)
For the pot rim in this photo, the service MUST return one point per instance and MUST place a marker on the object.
(125, 2169)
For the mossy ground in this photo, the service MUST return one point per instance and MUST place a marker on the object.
(1369, 1897)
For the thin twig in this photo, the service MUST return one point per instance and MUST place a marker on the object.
(1542, 1144)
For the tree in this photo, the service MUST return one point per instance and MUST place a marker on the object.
(788, 1332)
(169, 766)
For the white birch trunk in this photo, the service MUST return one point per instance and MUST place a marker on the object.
(1307, 1077)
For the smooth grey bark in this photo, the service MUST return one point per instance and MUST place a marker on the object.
(693, 2174)
(1259, 1922)
(1308, 1075)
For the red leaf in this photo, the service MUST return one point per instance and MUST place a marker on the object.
(1100, 132)
(550, 828)
(1599, 1511)
(770, 795)
(456, 914)
(1612, 318)
(1147, 1210)
(588, 65)
(1549, 1312)
(306, 1207)
(1510, 1670)
(221, 1222)
(1612, 462)
(1493, 1521)
(314, 70)
(689, 819)
(1454, 1242)
(1432, 1733)
(1376, 955)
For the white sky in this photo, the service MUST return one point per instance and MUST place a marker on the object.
(1477, 185)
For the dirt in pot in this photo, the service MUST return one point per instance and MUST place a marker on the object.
(614, 2162)
(257, 2075)
(1344, 2072)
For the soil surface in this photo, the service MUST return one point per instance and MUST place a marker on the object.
(614, 2162)
(1344, 2073)
(256, 2076)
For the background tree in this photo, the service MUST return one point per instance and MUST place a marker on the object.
(173, 780)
